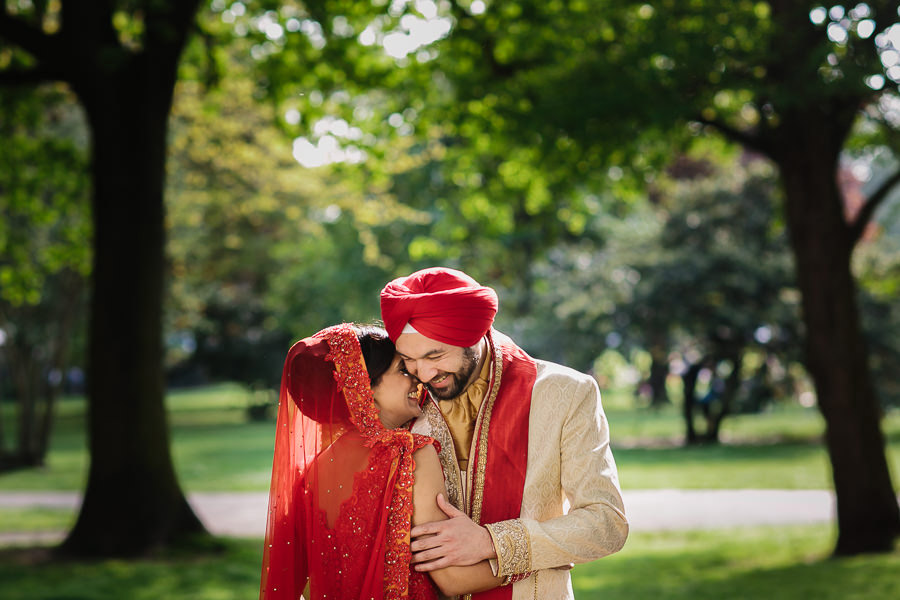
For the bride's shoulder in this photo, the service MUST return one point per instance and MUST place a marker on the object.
(428, 483)
(427, 462)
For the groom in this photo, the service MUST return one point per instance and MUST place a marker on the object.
(530, 476)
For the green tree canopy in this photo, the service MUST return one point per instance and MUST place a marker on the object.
(525, 103)
(44, 257)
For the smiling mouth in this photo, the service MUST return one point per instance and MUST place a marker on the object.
(440, 380)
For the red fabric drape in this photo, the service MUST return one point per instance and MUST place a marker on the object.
(341, 496)
(507, 449)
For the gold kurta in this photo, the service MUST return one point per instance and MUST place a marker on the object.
(460, 413)
(572, 509)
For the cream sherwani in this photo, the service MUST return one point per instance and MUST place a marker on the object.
(572, 509)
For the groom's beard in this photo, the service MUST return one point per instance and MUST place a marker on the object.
(460, 378)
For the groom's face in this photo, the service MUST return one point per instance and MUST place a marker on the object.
(444, 369)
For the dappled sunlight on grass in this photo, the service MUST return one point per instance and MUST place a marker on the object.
(215, 447)
(765, 563)
(230, 574)
(235, 457)
(779, 466)
(761, 563)
(778, 449)
(642, 426)
(36, 519)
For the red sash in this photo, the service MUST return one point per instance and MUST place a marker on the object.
(507, 447)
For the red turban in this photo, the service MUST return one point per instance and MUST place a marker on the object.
(442, 304)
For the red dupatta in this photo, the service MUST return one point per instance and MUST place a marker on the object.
(501, 457)
(340, 501)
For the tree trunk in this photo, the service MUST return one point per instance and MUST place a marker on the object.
(27, 385)
(4, 457)
(718, 413)
(72, 286)
(27, 373)
(689, 381)
(37, 346)
(133, 503)
(659, 372)
(867, 512)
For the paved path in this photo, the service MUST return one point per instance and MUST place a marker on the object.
(658, 510)
(243, 514)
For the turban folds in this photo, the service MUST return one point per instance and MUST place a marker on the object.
(442, 304)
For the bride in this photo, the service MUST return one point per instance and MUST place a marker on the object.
(349, 479)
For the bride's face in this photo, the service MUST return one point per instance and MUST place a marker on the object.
(396, 396)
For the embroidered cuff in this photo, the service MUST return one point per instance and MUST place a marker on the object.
(513, 547)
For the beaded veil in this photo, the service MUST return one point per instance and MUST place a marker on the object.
(340, 501)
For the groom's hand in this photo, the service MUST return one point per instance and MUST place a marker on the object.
(456, 542)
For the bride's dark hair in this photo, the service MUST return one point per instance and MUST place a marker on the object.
(377, 350)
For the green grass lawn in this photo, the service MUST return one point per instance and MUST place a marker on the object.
(765, 563)
(742, 564)
(215, 448)
(230, 573)
(18, 520)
